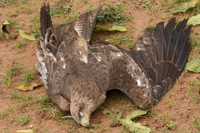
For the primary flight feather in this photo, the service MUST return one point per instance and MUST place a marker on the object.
(77, 73)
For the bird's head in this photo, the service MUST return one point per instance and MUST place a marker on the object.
(82, 106)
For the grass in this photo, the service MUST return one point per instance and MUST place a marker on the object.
(16, 95)
(170, 103)
(7, 79)
(13, 70)
(6, 2)
(45, 102)
(194, 90)
(57, 115)
(23, 120)
(19, 45)
(151, 112)
(113, 13)
(29, 75)
(59, 8)
(148, 5)
(197, 122)
(172, 125)
(3, 113)
(1, 59)
(36, 25)
(13, 22)
(114, 115)
(126, 41)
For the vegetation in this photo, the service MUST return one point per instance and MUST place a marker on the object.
(23, 120)
(29, 75)
(59, 9)
(113, 13)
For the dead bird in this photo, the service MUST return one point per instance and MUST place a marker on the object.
(77, 73)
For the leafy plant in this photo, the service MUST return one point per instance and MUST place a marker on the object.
(172, 125)
(16, 95)
(197, 122)
(4, 113)
(19, 45)
(6, 2)
(45, 101)
(122, 40)
(0, 60)
(58, 8)
(57, 115)
(151, 112)
(15, 69)
(107, 111)
(148, 5)
(112, 13)
(153, 27)
(23, 120)
(29, 75)
(7, 79)
(13, 22)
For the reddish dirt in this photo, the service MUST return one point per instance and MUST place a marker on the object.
(180, 105)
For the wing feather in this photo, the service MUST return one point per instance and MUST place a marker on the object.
(162, 55)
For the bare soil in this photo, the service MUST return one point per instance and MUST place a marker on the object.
(178, 111)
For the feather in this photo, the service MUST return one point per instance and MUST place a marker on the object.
(166, 53)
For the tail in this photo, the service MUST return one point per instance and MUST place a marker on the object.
(45, 22)
(162, 55)
(45, 19)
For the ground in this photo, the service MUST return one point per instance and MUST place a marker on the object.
(177, 111)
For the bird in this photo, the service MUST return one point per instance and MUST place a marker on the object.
(77, 73)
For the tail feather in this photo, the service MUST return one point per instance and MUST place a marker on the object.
(45, 19)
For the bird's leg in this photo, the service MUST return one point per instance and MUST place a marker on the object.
(63, 103)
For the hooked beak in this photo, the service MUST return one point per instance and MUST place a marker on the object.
(85, 122)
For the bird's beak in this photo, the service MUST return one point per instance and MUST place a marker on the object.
(85, 122)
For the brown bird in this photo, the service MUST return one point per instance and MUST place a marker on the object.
(77, 73)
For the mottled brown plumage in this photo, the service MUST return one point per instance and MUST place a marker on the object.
(78, 74)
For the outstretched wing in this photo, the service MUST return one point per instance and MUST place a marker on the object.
(162, 55)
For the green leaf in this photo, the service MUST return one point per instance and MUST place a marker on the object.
(136, 114)
(195, 20)
(28, 86)
(118, 28)
(27, 35)
(135, 127)
(24, 131)
(68, 122)
(111, 28)
(183, 7)
(193, 66)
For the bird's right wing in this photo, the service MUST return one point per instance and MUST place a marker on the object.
(162, 55)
